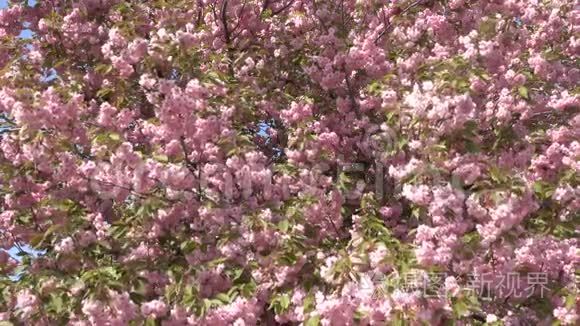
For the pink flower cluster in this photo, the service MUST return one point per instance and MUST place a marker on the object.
(261, 162)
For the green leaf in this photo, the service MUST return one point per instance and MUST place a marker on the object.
(285, 301)
(161, 158)
(36, 241)
(313, 321)
(266, 13)
(150, 322)
(543, 189)
(56, 303)
(280, 303)
(397, 320)
(118, 231)
(402, 142)
(472, 147)
(114, 136)
(237, 274)
(460, 308)
(103, 68)
(523, 91)
(570, 300)
(416, 212)
(440, 148)
(188, 246)
(309, 303)
(223, 297)
(496, 175)
(284, 225)
(103, 92)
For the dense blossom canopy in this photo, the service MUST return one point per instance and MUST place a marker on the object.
(243, 162)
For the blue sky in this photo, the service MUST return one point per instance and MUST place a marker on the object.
(25, 33)
(4, 3)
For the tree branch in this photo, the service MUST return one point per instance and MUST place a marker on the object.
(404, 11)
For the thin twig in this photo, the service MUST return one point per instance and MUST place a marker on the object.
(404, 11)
(284, 7)
(228, 39)
(351, 96)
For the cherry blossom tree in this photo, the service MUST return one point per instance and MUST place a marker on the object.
(290, 162)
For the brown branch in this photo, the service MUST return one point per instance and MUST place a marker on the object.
(351, 96)
(132, 191)
(284, 7)
(265, 6)
(199, 13)
(228, 39)
(404, 11)
(239, 18)
(192, 167)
